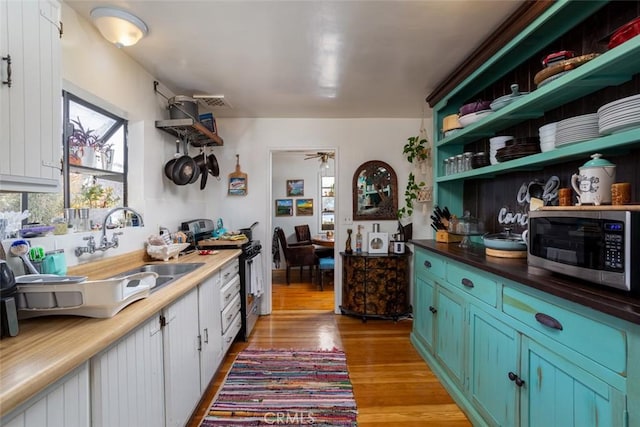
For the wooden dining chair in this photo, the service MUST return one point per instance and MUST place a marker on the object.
(299, 254)
(303, 234)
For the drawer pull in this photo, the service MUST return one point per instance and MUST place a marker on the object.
(427, 263)
(433, 309)
(8, 81)
(467, 283)
(548, 321)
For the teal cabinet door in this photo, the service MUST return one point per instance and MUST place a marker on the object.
(557, 392)
(493, 353)
(424, 312)
(450, 333)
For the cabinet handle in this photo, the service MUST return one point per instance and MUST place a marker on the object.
(467, 282)
(548, 321)
(513, 377)
(427, 263)
(206, 335)
(8, 81)
(433, 309)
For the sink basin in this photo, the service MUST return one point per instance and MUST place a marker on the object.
(167, 273)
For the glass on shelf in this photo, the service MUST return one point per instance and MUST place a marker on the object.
(466, 226)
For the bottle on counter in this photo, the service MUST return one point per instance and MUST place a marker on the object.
(359, 240)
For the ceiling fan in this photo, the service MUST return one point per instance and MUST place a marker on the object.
(323, 156)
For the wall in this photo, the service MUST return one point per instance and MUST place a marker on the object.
(94, 69)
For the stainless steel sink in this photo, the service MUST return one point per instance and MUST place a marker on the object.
(167, 273)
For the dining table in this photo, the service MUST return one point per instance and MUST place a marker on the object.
(323, 240)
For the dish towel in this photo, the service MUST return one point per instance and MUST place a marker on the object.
(275, 248)
(256, 276)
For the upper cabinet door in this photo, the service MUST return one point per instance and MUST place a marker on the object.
(30, 96)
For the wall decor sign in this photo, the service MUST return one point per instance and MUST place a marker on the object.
(238, 181)
(284, 207)
(304, 207)
(295, 187)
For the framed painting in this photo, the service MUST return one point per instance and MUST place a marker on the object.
(237, 186)
(295, 187)
(304, 207)
(284, 207)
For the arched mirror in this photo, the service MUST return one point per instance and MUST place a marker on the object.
(375, 192)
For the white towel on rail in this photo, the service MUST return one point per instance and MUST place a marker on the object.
(256, 275)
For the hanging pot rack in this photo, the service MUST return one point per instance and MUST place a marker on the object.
(189, 129)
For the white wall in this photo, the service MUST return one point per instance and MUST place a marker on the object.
(97, 70)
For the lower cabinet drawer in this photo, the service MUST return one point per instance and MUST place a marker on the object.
(230, 334)
(228, 291)
(228, 271)
(426, 262)
(600, 342)
(479, 286)
(230, 311)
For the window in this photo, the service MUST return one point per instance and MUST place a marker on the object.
(94, 168)
(327, 202)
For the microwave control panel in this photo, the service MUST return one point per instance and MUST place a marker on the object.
(614, 246)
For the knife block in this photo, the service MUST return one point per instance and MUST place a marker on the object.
(444, 236)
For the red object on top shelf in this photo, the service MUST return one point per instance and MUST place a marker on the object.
(625, 33)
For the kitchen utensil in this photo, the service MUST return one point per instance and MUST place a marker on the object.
(593, 182)
(566, 65)
(505, 241)
(183, 107)
(238, 181)
(201, 161)
(503, 101)
(212, 165)
(556, 57)
(20, 248)
(450, 122)
(625, 33)
(184, 169)
(473, 107)
(471, 118)
(248, 231)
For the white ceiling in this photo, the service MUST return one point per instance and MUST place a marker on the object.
(314, 58)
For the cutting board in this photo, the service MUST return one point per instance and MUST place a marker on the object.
(216, 242)
(238, 181)
(592, 208)
(505, 254)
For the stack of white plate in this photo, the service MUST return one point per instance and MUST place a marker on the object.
(548, 136)
(576, 129)
(496, 143)
(620, 115)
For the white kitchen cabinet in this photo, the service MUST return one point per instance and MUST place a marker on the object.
(64, 404)
(30, 106)
(127, 380)
(181, 359)
(210, 337)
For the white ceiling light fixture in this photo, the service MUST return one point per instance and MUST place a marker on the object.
(119, 26)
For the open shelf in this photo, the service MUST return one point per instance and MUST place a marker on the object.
(609, 69)
(191, 130)
(117, 176)
(604, 145)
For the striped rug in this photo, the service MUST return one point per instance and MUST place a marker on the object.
(285, 388)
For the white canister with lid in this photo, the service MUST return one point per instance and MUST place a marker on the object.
(593, 182)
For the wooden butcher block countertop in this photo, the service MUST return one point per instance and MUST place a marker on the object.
(47, 348)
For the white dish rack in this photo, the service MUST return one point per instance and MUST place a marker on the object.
(46, 295)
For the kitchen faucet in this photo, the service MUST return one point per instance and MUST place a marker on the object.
(104, 242)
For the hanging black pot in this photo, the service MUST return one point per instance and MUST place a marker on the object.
(183, 170)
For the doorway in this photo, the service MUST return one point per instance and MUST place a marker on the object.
(306, 181)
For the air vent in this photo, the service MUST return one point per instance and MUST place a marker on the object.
(215, 101)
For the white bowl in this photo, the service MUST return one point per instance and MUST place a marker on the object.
(500, 141)
(544, 147)
(548, 129)
(468, 119)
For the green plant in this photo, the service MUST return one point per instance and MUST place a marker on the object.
(82, 137)
(410, 196)
(95, 196)
(416, 149)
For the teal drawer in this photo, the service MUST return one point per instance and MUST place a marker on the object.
(598, 341)
(476, 284)
(427, 262)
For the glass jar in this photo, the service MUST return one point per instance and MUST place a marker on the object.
(453, 165)
(466, 161)
(446, 166)
(459, 163)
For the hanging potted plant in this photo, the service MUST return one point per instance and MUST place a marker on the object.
(418, 153)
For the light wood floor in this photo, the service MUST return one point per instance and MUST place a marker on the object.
(392, 385)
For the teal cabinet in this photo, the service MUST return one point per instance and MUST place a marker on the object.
(424, 312)
(493, 354)
(505, 368)
(450, 346)
(556, 392)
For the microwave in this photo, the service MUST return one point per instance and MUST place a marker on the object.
(601, 246)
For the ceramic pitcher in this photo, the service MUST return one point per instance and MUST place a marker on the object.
(593, 182)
